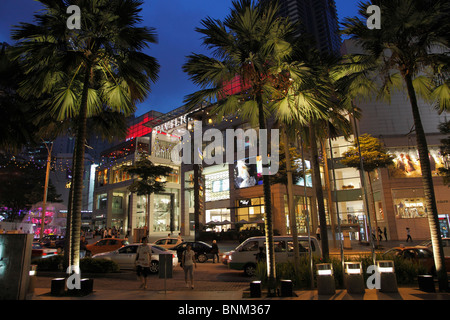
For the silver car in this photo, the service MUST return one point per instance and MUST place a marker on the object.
(126, 256)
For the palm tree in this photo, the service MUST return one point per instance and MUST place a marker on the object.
(251, 43)
(318, 93)
(99, 65)
(402, 52)
(16, 129)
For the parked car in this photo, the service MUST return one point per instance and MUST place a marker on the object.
(418, 254)
(202, 250)
(167, 242)
(246, 256)
(126, 256)
(105, 245)
(53, 241)
(40, 252)
(445, 245)
(226, 257)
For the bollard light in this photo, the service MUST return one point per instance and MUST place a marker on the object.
(353, 267)
(286, 288)
(385, 266)
(325, 269)
(388, 279)
(325, 279)
(353, 278)
(255, 289)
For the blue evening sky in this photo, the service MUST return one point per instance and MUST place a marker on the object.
(175, 21)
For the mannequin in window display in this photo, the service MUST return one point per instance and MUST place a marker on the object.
(401, 163)
(409, 166)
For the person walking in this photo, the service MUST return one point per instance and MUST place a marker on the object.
(188, 261)
(215, 251)
(408, 235)
(380, 234)
(142, 262)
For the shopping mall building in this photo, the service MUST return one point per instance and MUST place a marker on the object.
(231, 193)
(233, 190)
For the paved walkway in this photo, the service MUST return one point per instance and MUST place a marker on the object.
(230, 285)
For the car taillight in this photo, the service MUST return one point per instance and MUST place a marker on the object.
(44, 253)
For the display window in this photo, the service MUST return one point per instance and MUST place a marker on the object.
(409, 203)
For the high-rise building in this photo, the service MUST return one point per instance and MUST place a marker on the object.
(318, 18)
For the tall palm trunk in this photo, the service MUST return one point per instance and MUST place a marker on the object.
(290, 198)
(319, 193)
(270, 250)
(372, 200)
(78, 172)
(427, 180)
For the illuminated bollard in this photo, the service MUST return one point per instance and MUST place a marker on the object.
(286, 288)
(325, 279)
(58, 286)
(426, 283)
(353, 277)
(388, 279)
(255, 289)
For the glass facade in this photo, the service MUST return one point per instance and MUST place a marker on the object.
(302, 211)
(409, 203)
(251, 210)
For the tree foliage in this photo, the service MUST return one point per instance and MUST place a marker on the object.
(373, 153)
(149, 177)
(444, 128)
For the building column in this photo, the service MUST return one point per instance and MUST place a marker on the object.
(109, 209)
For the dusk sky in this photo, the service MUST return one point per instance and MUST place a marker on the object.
(175, 21)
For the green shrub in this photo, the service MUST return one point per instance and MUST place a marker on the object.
(54, 263)
(406, 271)
(90, 265)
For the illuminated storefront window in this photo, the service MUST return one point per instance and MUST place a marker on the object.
(407, 163)
(166, 212)
(300, 213)
(409, 203)
(102, 201)
(251, 210)
(173, 177)
(119, 174)
(217, 186)
(102, 178)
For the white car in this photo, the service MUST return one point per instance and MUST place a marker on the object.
(126, 256)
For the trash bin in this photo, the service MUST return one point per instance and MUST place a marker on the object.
(426, 283)
(353, 277)
(286, 288)
(255, 289)
(388, 279)
(325, 279)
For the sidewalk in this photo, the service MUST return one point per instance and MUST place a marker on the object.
(125, 287)
(241, 295)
